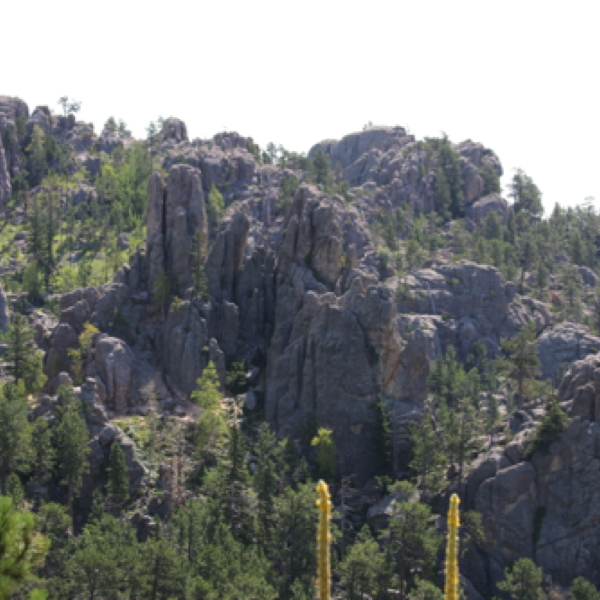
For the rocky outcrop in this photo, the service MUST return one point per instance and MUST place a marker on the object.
(174, 130)
(463, 302)
(580, 388)
(546, 507)
(183, 344)
(115, 370)
(480, 209)
(388, 157)
(13, 107)
(175, 212)
(336, 344)
(562, 345)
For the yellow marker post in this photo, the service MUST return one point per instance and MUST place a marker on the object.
(323, 542)
(451, 589)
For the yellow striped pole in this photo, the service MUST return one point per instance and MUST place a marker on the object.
(451, 589)
(323, 541)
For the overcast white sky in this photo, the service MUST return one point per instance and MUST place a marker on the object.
(520, 76)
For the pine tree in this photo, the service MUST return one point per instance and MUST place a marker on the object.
(526, 195)
(15, 433)
(23, 361)
(215, 208)
(548, 431)
(461, 424)
(37, 154)
(211, 431)
(523, 581)
(44, 454)
(21, 547)
(428, 460)
(582, 589)
(381, 437)
(118, 480)
(521, 360)
(410, 542)
(322, 167)
(71, 442)
(363, 569)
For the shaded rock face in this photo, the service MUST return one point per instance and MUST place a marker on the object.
(181, 343)
(546, 508)
(549, 508)
(335, 343)
(226, 258)
(562, 345)
(175, 212)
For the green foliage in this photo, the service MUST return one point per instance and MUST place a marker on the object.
(15, 433)
(21, 547)
(44, 454)
(79, 355)
(448, 195)
(521, 361)
(410, 540)
(523, 581)
(235, 378)
(526, 195)
(322, 167)
(582, 589)
(199, 282)
(326, 452)
(381, 437)
(71, 442)
(215, 208)
(289, 187)
(491, 179)
(428, 460)
(162, 295)
(211, 429)
(548, 431)
(425, 590)
(118, 480)
(362, 568)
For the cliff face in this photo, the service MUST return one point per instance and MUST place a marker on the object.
(299, 289)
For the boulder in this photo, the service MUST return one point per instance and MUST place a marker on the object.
(560, 346)
(116, 367)
(494, 202)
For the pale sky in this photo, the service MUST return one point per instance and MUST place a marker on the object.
(520, 76)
